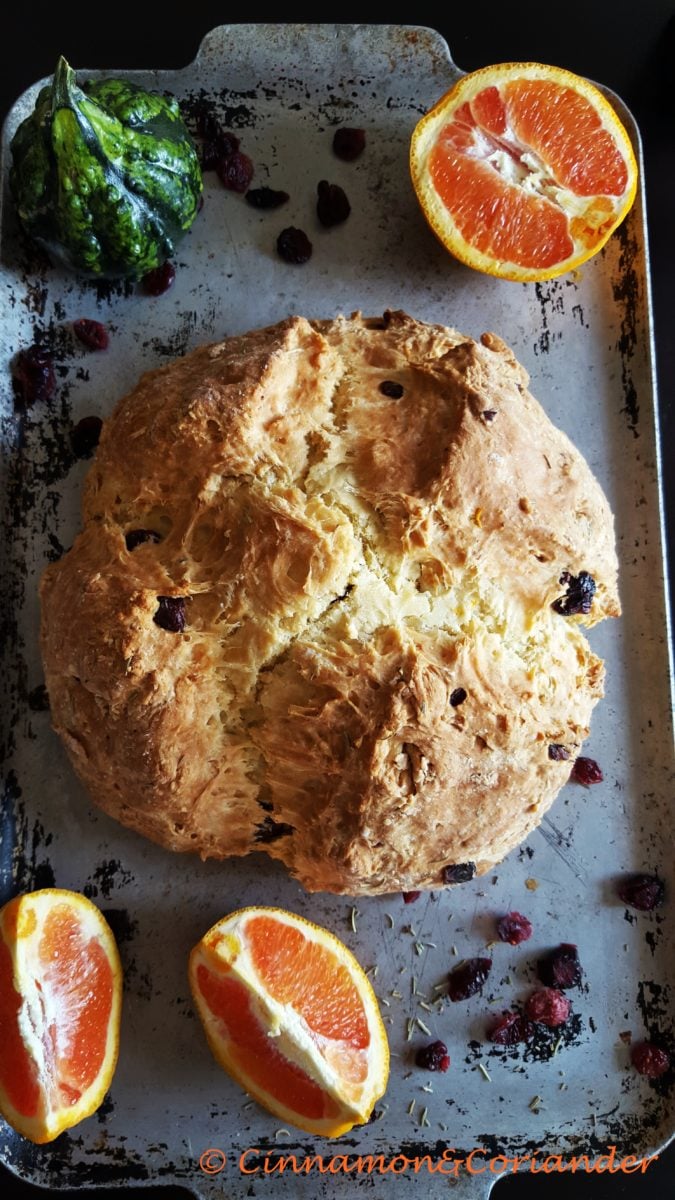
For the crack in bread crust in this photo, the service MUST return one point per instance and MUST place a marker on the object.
(351, 556)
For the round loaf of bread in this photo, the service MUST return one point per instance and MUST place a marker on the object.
(327, 603)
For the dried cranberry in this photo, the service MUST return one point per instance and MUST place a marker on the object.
(579, 595)
(34, 378)
(348, 144)
(459, 872)
(457, 697)
(170, 613)
(586, 771)
(468, 978)
(389, 387)
(644, 892)
(158, 281)
(558, 753)
(510, 1028)
(410, 897)
(92, 334)
(294, 246)
(84, 437)
(560, 968)
(136, 537)
(265, 197)
(548, 1006)
(332, 206)
(649, 1060)
(235, 171)
(433, 1057)
(227, 142)
(514, 928)
(38, 699)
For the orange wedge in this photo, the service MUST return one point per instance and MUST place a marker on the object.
(60, 1001)
(290, 1015)
(523, 170)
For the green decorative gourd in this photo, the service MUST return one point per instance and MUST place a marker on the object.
(105, 176)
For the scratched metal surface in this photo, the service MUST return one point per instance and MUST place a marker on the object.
(586, 340)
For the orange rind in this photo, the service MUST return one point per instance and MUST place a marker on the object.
(523, 170)
(290, 1015)
(60, 1003)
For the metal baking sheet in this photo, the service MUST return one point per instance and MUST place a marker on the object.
(586, 340)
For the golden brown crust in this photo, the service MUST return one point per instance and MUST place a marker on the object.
(349, 560)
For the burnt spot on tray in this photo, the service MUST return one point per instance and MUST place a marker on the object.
(38, 699)
(107, 875)
(84, 436)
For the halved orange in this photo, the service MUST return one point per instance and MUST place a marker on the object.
(523, 170)
(60, 1002)
(290, 1015)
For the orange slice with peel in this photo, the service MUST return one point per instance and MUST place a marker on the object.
(290, 1015)
(523, 170)
(60, 1002)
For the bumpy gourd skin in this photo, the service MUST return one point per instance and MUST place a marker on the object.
(105, 177)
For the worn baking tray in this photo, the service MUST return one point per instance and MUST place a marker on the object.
(587, 341)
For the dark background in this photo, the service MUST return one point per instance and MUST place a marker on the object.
(626, 45)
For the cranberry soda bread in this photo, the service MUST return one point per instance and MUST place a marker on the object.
(327, 603)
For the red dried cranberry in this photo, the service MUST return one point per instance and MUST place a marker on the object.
(579, 595)
(294, 246)
(410, 897)
(468, 978)
(509, 1029)
(265, 197)
(156, 282)
(459, 872)
(348, 144)
(644, 892)
(433, 1057)
(586, 771)
(514, 928)
(548, 1006)
(558, 753)
(227, 142)
(170, 613)
(235, 171)
(560, 968)
(92, 334)
(649, 1060)
(457, 697)
(34, 378)
(332, 206)
(84, 437)
(38, 699)
(389, 387)
(136, 537)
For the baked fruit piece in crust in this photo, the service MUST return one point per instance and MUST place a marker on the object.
(379, 548)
